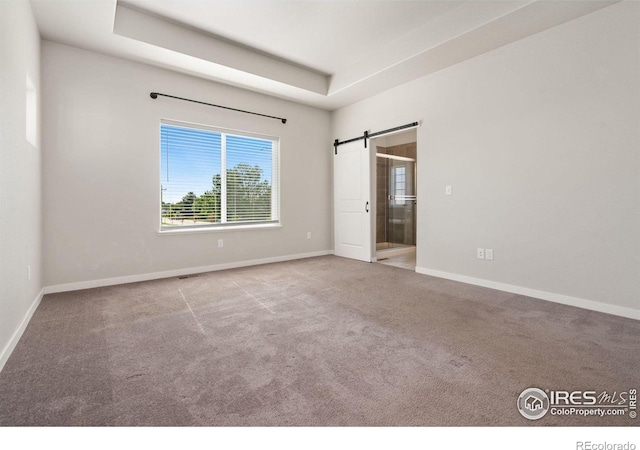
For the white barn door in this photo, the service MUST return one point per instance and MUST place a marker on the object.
(352, 206)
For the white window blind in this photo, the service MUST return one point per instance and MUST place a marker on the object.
(196, 192)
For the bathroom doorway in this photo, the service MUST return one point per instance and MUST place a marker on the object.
(396, 200)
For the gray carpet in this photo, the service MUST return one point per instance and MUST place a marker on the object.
(321, 341)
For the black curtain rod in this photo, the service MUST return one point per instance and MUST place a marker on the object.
(366, 135)
(154, 95)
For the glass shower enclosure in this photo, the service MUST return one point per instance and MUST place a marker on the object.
(395, 201)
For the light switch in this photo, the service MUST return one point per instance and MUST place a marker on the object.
(448, 190)
(488, 254)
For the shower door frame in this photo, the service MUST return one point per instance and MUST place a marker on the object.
(393, 199)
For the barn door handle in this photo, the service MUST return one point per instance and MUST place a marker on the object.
(366, 207)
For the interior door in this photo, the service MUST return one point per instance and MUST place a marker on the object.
(352, 205)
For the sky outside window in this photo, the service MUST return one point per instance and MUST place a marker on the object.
(190, 158)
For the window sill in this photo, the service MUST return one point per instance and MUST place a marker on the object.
(218, 229)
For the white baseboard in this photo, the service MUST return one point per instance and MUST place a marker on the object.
(543, 295)
(11, 345)
(176, 273)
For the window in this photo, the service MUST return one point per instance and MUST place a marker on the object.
(216, 178)
(32, 114)
(399, 185)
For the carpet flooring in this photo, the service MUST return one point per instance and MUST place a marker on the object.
(321, 341)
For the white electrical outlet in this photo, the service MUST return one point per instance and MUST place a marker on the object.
(220, 243)
(480, 253)
(488, 254)
(308, 234)
(448, 190)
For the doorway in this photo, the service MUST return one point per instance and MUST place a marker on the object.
(396, 200)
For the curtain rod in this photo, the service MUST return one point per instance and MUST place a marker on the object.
(366, 135)
(154, 95)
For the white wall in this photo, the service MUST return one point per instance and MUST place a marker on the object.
(540, 140)
(101, 170)
(20, 220)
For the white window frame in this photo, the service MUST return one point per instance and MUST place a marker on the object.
(224, 225)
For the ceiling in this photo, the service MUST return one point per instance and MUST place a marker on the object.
(326, 54)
